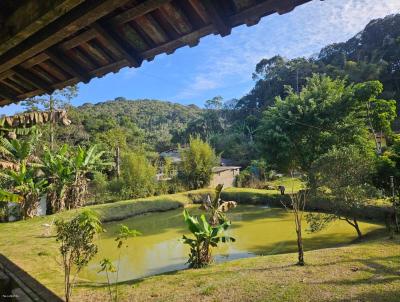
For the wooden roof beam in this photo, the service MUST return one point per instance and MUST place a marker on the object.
(7, 94)
(252, 15)
(29, 17)
(219, 22)
(77, 18)
(126, 50)
(68, 65)
(33, 79)
(139, 10)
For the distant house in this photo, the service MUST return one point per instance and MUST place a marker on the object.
(224, 174)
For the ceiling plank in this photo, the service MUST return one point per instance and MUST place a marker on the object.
(220, 23)
(68, 65)
(33, 79)
(76, 19)
(30, 17)
(128, 52)
(139, 10)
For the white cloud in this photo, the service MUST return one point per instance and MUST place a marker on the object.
(299, 33)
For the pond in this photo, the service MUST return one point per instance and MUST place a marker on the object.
(258, 231)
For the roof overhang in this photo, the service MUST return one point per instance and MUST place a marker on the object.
(48, 45)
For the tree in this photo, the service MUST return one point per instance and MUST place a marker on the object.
(115, 139)
(299, 129)
(58, 100)
(346, 173)
(67, 170)
(297, 205)
(380, 113)
(214, 103)
(77, 247)
(197, 163)
(19, 150)
(107, 266)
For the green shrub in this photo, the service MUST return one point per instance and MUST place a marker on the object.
(197, 163)
(138, 175)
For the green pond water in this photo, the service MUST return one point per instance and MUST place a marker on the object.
(258, 231)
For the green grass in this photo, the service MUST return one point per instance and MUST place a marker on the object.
(368, 271)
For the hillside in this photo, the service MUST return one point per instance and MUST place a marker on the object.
(156, 122)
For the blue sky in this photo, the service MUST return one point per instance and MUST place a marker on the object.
(223, 66)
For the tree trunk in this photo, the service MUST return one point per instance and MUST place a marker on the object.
(300, 247)
(118, 162)
(356, 226)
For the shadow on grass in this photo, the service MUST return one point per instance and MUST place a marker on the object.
(89, 284)
(377, 296)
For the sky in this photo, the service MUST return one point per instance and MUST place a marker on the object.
(223, 66)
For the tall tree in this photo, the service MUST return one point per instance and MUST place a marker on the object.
(297, 130)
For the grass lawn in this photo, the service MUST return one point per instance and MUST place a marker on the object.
(368, 271)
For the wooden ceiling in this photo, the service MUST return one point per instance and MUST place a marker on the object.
(48, 45)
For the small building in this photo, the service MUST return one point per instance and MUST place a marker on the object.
(225, 175)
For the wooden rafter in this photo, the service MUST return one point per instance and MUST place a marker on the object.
(127, 51)
(32, 79)
(68, 65)
(220, 23)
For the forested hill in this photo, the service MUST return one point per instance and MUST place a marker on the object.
(151, 121)
(372, 54)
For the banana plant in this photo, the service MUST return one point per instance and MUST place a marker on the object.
(59, 172)
(26, 188)
(205, 238)
(217, 207)
(18, 150)
(83, 162)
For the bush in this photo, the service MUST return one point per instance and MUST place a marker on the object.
(197, 163)
(138, 176)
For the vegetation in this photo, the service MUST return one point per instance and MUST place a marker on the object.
(297, 207)
(106, 265)
(206, 237)
(217, 208)
(138, 176)
(76, 245)
(330, 118)
(26, 232)
(345, 172)
(197, 163)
